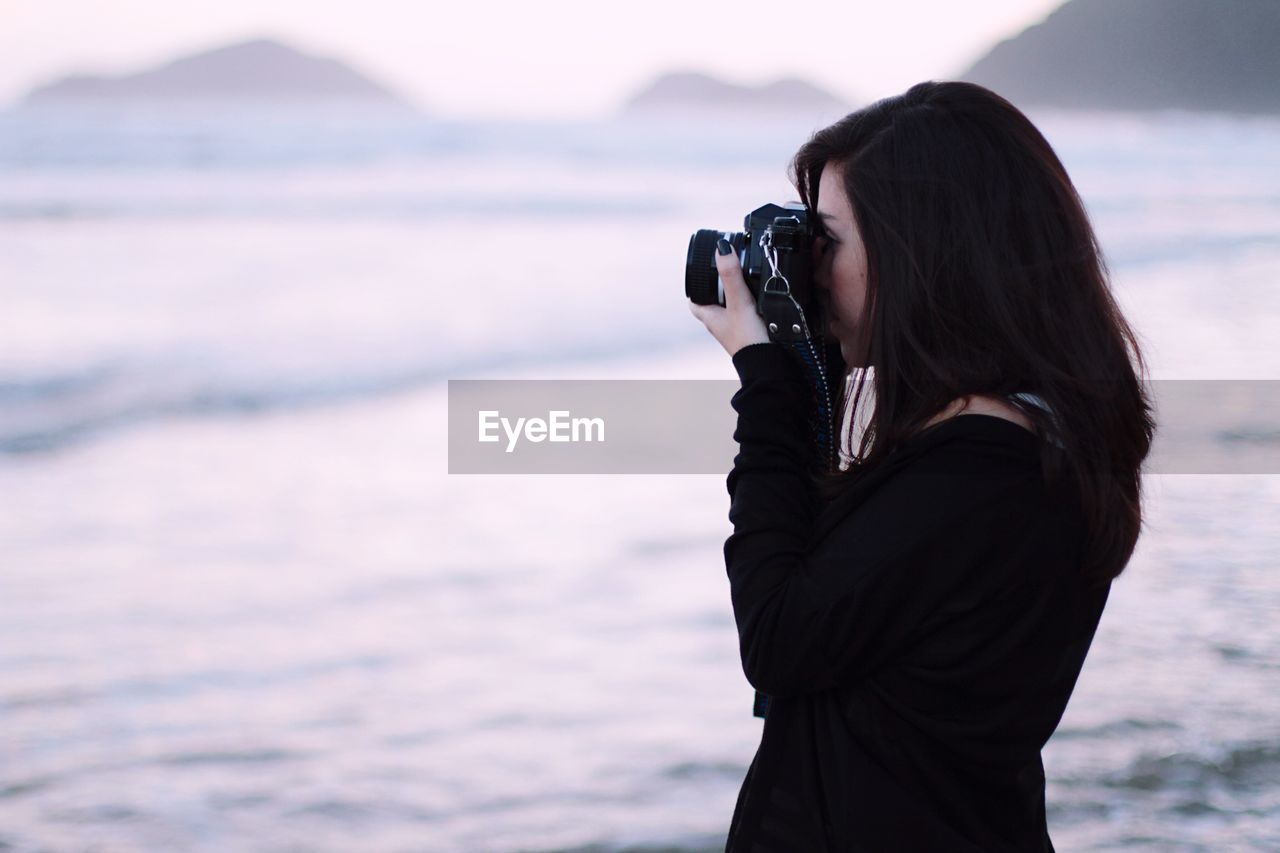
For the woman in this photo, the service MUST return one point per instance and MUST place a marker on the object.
(918, 620)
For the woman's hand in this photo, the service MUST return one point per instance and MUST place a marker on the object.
(735, 324)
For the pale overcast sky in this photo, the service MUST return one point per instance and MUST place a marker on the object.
(556, 58)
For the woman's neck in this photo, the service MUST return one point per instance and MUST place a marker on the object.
(976, 404)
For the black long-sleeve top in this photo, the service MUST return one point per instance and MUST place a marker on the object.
(918, 636)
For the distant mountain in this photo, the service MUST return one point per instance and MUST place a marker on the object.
(1141, 55)
(686, 92)
(259, 71)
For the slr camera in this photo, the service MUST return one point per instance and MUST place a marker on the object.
(775, 249)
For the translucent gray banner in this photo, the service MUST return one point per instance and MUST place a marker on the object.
(640, 426)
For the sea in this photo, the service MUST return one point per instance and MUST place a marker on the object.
(245, 607)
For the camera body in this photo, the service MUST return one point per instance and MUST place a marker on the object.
(775, 249)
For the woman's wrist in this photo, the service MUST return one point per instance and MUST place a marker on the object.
(766, 360)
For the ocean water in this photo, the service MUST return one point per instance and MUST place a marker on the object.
(245, 607)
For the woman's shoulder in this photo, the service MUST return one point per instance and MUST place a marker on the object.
(966, 467)
(976, 442)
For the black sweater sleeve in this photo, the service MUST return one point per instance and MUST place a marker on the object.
(814, 621)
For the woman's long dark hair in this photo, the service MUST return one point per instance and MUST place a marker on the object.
(985, 277)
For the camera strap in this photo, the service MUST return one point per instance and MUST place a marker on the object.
(817, 360)
(780, 310)
(788, 326)
(782, 314)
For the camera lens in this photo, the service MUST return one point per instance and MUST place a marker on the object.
(701, 279)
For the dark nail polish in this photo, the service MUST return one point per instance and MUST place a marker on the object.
(724, 247)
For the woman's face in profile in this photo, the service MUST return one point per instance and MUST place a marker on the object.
(840, 266)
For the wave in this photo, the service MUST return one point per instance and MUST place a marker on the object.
(48, 413)
(1240, 768)
(78, 407)
(1127, 726)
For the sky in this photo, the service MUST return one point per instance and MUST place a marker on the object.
(550, 59)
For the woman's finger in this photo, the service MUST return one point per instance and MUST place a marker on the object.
(737, 323)
(736, 292)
